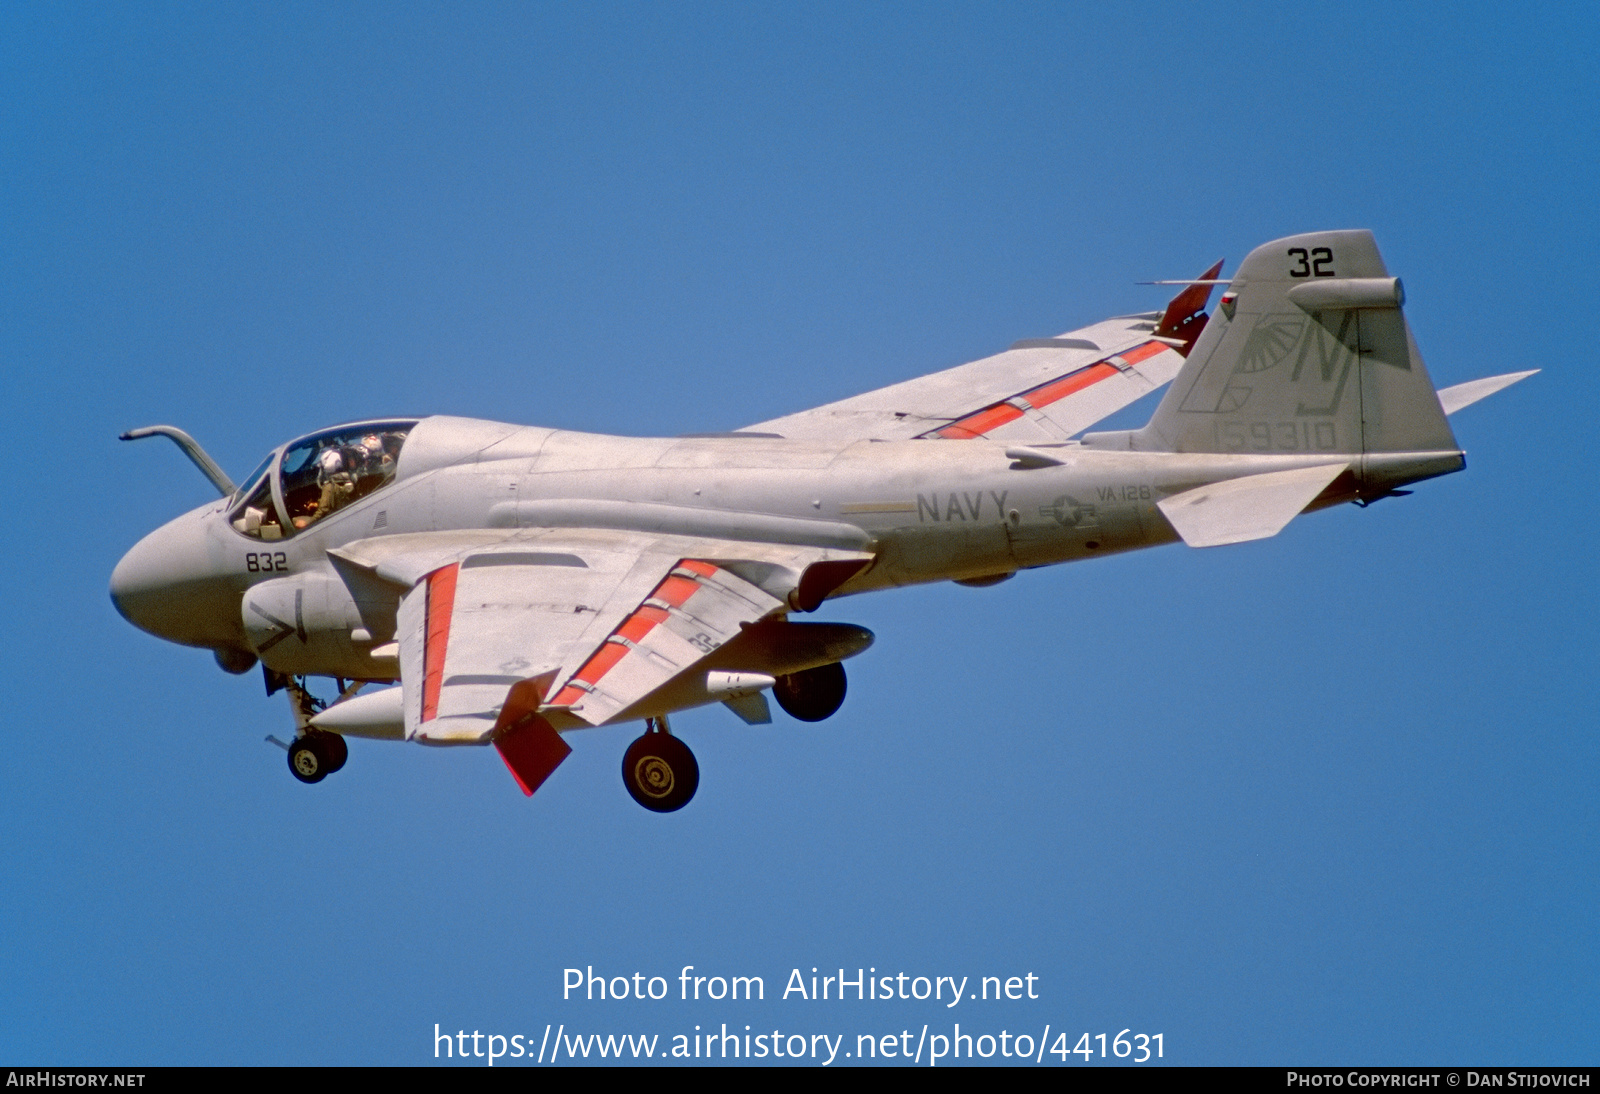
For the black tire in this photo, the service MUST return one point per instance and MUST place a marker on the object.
(660, 772)
(811, 695)
(308, 759)
(337, 749)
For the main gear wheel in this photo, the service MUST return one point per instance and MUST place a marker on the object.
(811, 695)
(660, 772)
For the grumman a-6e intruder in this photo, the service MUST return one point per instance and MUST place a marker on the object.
(520, 582)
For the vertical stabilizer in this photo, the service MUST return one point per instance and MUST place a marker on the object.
(1308, 352)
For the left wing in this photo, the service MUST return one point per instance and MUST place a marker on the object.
(1041, 390)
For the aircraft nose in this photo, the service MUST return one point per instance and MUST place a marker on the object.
(153, 583)
(134, 581)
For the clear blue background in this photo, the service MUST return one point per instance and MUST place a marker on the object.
(1325, 798)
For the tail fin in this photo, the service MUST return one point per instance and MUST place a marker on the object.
(1308, 352)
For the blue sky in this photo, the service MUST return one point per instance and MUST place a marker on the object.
(1325, 798)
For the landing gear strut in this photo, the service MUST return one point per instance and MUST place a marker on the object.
(813, 694)
(659, 770)
(315, 753)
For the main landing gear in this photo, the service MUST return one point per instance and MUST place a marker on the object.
(813, 694)
(661, 773)
(659, 770)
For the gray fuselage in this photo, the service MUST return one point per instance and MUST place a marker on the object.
(971, 511)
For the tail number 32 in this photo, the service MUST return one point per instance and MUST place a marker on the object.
(1317, 262)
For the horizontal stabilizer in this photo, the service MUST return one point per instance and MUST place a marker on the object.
(1254, 507)
(1454, 398)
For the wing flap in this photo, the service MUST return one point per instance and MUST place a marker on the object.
(696, 608)
(1253, 507)
(472, 628)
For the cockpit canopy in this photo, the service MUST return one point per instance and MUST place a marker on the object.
(316, 476)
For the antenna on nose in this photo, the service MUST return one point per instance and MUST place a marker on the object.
(191, 448)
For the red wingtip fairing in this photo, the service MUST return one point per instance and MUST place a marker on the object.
(1186, 315)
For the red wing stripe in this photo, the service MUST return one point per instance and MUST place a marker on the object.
(993, 417)
(567, 696)
(674, 591)
(1144, 352)
(441, 602)
(641, 623)
(602, 662)
(976, 425)
(1059, 389)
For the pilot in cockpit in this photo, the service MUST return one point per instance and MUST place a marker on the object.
(336, 474)
(375, 459)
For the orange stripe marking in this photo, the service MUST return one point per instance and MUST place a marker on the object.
(674, 590)
(641, 623)
(602, 662)
(567, 696)
(993, 417)
(1055, 390)
(441, 602)
(1143, 353)
(976, 425)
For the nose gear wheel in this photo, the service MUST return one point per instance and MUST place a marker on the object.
(316, 755)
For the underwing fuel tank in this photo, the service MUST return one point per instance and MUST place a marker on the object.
(308, 624)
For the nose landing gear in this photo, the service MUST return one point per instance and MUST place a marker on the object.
(659, 770)
(317, 754)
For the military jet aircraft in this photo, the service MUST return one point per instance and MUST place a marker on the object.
(519, 583)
